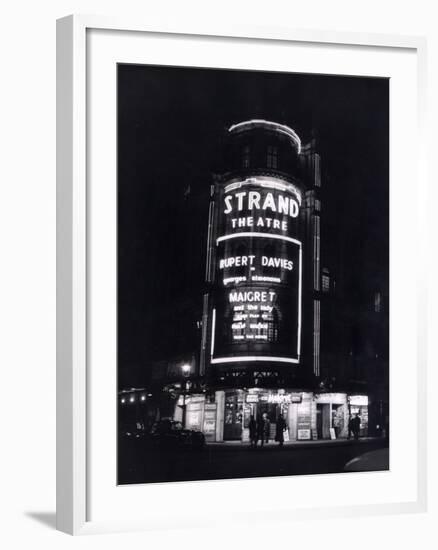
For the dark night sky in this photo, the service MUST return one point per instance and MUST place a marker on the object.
(170, 125)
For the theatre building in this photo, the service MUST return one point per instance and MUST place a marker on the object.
(264, 294)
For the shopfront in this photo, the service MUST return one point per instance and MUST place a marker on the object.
(308, 416)
(190, 409)
(295, 407)
(233, 415)
(331, 416)
(358, 405)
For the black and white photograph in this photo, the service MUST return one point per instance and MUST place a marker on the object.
(252, 274)
(218, 298)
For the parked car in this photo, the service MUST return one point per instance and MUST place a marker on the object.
(131, 431)
(372, 461)
(170, 434)
(132, 440)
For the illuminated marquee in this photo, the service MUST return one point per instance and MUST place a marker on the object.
(257, 314)
(255, 200)
(262, 319)
(259, 210)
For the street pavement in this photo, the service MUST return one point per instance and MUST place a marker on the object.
(238, 460)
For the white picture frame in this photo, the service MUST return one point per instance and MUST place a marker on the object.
(74, 218)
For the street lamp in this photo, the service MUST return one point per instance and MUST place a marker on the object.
(185, 369)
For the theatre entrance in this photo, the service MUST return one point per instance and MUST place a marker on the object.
(238, 410)
(273, 410)
(323, 420)
(233, 417)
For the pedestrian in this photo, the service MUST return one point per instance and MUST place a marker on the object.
(260, 424)
(279, 430)
(253, 431)
(355, 426)
(350, 427)
(266, 428)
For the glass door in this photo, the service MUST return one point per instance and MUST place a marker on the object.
(233, 416)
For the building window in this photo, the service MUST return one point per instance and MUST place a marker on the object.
(272, 159)
(317, 169)
(325, 282)
(246, 157)
(318, 205)
(377, 302)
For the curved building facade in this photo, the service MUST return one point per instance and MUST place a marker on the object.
(260, 349)
(255, 253)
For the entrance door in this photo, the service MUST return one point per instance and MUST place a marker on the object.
(319, 421)
(323, 420)
(273, 411)
(233, 416)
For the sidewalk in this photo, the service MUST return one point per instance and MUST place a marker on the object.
(299, 444)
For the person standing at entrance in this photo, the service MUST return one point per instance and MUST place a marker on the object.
(350, 427)
(279, 430)
(253, 431)
(265, 428)
(355, 426)
(259, 430)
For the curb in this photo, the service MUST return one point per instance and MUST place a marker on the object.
(297, 444)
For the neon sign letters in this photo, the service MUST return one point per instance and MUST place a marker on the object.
(280, 208)
(258, 273)
(253, 200)
(265, 261)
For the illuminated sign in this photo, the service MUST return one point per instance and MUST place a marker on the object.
(209, 426)
(256, 207)
(252, 398)
(274, 398)
(358, 400)
(303, 434)
(255, 200)
(257, 302)
(304, 418)
(284, 399)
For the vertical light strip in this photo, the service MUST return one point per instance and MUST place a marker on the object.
(318, 246)
(300, 282)
(210, 228)
(316, 336)
(316, 252)
(204, 321)
(318, 346)
(204, 335)
(213, 328)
